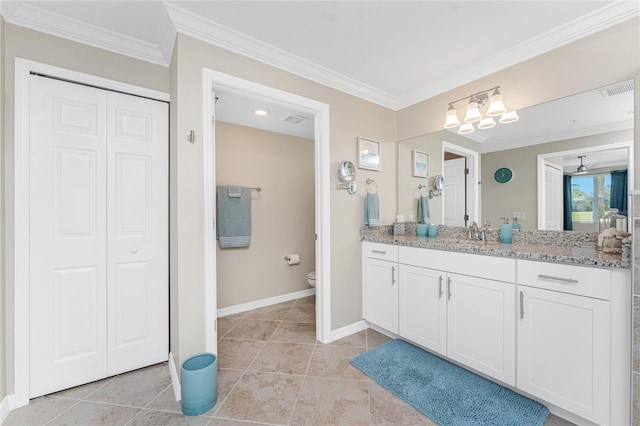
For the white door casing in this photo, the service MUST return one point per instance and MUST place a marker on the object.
(454, 193)
(98, 203)
(554, 206)
(21, 230)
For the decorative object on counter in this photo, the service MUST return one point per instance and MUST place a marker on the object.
(515, 224)
(503, 175)
(371, 206)
(398, 226)
(610, 240)
(432, 231)
(609, 220)
(347, 175)
(416, 376)
(422, 230)
(505, 231)
(369, 154)
(420, 164)
(473, 114)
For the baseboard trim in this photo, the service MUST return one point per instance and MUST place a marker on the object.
(244, 307)
(175, 379)
(347, 330)
(5, 407)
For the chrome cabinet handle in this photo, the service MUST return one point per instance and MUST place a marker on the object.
(522, 305)
(378, 251)
(393, 275)
(448, 288)
(440, 287)
(552, 278)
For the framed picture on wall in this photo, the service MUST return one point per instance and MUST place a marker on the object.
(369, 154)
(420, 164)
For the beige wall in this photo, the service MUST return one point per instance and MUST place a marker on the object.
(282, 214)
(24, 43)
(350, 117)
(521, 194)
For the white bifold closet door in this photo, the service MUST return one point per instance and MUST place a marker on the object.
(98, 196)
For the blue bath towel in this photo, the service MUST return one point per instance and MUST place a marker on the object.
(234, 217)
(424, 216)
(372, 210)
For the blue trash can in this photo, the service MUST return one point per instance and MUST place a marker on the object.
(199, 389)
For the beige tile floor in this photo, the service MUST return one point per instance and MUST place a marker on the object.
(272, 371)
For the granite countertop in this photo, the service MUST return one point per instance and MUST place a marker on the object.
(587, 256)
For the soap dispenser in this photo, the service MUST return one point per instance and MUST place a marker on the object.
(505, 231)
(516, 225)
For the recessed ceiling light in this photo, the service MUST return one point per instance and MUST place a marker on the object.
(261, 111)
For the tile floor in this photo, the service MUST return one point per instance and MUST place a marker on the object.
(272, 371)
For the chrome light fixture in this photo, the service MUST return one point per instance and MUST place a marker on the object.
(582, 169)
(473, 113)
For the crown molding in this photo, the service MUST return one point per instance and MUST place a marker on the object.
(38, 19)
(584, 26)
(211, 32)
(188, 23)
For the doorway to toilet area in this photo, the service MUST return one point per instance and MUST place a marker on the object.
(277, 168)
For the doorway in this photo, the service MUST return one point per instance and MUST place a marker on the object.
(460, 197)
(212, 81)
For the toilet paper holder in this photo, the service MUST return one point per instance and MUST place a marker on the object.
(292, 259)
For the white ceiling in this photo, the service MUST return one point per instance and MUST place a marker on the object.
(393, 53)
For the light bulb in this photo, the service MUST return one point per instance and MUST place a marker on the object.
(486, 123)
(473, 112)
(466, 128)
(509, 117)
(451, 119)
(496, 106)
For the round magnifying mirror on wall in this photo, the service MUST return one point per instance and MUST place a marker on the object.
(346, 171)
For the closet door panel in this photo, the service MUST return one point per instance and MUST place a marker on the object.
(67, 194)
(137, 232)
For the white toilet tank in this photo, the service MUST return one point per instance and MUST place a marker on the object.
(311, 278)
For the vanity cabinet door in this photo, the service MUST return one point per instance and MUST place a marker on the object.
(423, 307)
(381, 293)
(563, 351)
(481, 325)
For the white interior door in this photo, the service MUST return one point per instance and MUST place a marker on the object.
(137, 232)
(98, 234)
(554, 206)
(67, 217)
(454, 192)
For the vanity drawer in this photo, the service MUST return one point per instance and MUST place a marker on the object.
(381, 251)
(580, 280)
(475, 265)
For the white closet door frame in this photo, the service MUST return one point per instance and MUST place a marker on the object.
(23, 68)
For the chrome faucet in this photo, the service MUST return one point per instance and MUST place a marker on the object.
(474, 234)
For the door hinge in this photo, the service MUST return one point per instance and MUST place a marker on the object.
(466, 217)
(466, 171)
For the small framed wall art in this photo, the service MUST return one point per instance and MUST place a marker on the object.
(420, 164)
(369, 154)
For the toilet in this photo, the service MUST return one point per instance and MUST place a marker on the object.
(311, 278)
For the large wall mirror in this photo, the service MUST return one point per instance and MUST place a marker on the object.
(596, 125)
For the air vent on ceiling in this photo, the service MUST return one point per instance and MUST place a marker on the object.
(624, 87)
(295, 119)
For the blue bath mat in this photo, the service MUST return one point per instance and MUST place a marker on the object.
(444, 392)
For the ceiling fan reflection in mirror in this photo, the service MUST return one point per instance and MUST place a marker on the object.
(582, 169)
